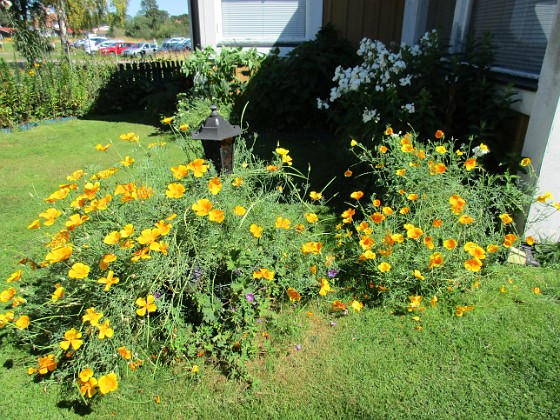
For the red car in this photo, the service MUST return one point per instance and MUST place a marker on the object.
(116, 49)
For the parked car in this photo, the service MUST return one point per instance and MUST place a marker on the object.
(79, 43)
(170, 43)
(92, 44)
(183, 45)
(116, 49)
(140, 49)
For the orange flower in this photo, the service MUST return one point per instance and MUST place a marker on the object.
(215, 185)
(216, 215)
(293, 295)
(315, 196)
(108, 383)
(198, 167)
(239, 210)
(146, 305)
(436, 260)
(428, 242)
(525, 161)
(347, 173)
(470, 164)
(383, 149)
(449, 244)
(418, 275)
(237, 182)
(506, 218)
(311, 217)
(79, 271)
(412, 197)
(175, 190)
(491, 248)
(325, 287)
(282, 223)
(72, 338)
(465, 220)
(377, 217)
(473, 264)
(125, 353)
(440, 168)
(457, 203)
(311, 248)
(366, 242)
(439, 134)
(509, 239)
(337, 305)
(264, 273)
(180, 171)
(413, 232)
(356, 195)
(202, 207)
(437, 223)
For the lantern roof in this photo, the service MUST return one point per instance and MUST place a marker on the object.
(215, 127)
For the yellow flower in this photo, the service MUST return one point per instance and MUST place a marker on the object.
(108, 383)
(441, 149)
(293, 295)
(125, 353)
(282, 223)
(325, 287)
(465, 220)
(214, 185)
(195, 369)
(22, 322)
(506, 218)
(470, 164)
(311, 248)
(436, 260)
(356, 195)
(184, 127)
(281, 151)
(88, 387)
(315, 196)
(85, 375)
(530, 240)
(59, 253)
(35, 224)
(180, 171)
(473, 264)
(311, 217)
(167, 120)
(127, 161)
(202, 207)
(413, 232)
(384, 267)
(91, 316)
(256, 230)
(418, 275)
(388, 131)
(198, 167)
(112, 238)
(536, 290)
(414, 303)
(264, 273)
(407, 148)
(237, 182)
(148, 236)
(412, 197)
(104, 330)
(102, 148)
(50, 216)
(216, 215)
(131, 137)
(72, 337)
(541, 198)
(146, 305)
(79, 271)
(175, 190)
(15, 276)
(525, 161)
(357, 306)
(163, 227)
(449, 244)
(491, 248)
(58, 195)
(353, 143)
(47, 364)
(108, 281)
(58, 293)
(383, 149)
(239, 210)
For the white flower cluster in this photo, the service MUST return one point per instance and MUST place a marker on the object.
(381, 70)
(6, 4)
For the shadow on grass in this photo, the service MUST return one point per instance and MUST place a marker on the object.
(75, 406)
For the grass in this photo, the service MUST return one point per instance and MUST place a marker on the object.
(500, 360)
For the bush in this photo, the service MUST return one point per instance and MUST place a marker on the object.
(147, 264)
(438, 222)
(420, 87)
(285, 89)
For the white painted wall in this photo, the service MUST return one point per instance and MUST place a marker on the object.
(542, 142)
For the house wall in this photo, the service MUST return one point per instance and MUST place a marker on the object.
(375, 19)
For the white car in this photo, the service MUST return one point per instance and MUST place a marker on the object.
(140, 49)
(92, 44)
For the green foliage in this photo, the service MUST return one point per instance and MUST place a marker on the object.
(422, 87)
(437, 221)
(285, 89)
(49, 89)
(208, 257)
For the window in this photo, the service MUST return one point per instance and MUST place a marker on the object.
(520, 30)
(264, 22)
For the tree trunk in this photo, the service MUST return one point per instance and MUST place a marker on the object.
(62, 26)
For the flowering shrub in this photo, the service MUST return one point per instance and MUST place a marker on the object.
(441, 220)
(147, 263)
(420, 86)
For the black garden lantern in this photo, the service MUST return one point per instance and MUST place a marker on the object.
(218, 137)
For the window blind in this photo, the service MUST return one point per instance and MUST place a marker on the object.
(440, 16)
(264, 20)
(520, 30)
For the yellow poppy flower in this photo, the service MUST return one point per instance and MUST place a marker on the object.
(15, 276)
(256, 230)
(384, 267)
(202, 207)
(180, 171)
(470, 164)
(216, 215)
(108, 281)
(108, 383)
(282, 223)
(73, 339)
(264, 273)
(91, 316)
(102, 148)
(105, 331)
(357, 306)
(315, 196)
(293, 295)
(311, 248)
(198, 167)
(175, 190)
(79, 271)
(214, 185)
(146, 305)
(239, 210)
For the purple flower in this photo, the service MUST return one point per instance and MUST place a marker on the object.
(298, 347)
(332, 272)
(157, 295)
(333, 324)
(250, 297)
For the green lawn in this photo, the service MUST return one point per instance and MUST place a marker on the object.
(498, 361)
